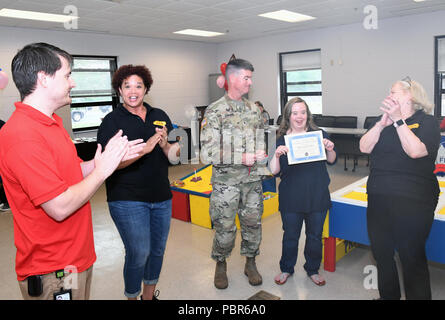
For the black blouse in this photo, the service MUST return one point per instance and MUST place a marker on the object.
(146, 179)
(393, 172)
(304, 186)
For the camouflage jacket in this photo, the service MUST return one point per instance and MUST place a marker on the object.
(229, 129)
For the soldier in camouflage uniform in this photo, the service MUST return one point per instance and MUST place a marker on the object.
(232, 140)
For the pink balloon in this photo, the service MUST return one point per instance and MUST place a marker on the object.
(220, 81)
(3, 79)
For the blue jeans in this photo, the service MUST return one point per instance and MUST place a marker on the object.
(144, 228)
(292, 224)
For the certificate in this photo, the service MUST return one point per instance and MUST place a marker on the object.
(305, 147)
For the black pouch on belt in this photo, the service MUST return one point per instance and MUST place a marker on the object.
(35, 285)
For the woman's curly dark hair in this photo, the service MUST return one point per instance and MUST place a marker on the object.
(128, 70)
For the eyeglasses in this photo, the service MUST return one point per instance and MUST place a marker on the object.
(408, 80)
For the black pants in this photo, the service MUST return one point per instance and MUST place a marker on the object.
(402, 224)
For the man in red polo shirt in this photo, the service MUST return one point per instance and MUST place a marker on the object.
(47, 185)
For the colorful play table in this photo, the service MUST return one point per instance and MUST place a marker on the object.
(347, 220)
(191, 202)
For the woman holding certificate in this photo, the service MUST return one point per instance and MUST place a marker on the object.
(402, 189)
(303, 190)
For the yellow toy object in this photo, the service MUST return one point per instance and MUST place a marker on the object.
(177, 183)
(199, 211)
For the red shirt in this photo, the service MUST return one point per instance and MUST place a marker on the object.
(38, 161)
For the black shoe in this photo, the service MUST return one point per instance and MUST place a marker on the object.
(155, 296)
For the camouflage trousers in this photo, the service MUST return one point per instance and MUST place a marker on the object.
(226, 201)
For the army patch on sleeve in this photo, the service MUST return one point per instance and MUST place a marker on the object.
(203, 123)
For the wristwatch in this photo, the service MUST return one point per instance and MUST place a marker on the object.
(398, 123)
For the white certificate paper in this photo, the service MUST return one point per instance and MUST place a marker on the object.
(305, 147)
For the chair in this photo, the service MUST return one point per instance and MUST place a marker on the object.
(316, 116)
(324, 121)
(347, 144)
(345, 122)
(370, 121)
(280, 117)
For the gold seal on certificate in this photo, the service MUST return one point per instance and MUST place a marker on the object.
(305, 147)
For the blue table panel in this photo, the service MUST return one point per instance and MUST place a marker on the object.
(348, 221)
(435, 245)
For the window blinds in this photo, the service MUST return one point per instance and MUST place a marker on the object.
(301, 60)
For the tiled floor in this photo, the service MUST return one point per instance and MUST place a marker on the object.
(188, 269)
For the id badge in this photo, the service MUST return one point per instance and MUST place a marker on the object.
(63, 295)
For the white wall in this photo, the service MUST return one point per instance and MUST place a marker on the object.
(371, 60)
(180, 69)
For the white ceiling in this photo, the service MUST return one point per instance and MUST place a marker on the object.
(237, 19)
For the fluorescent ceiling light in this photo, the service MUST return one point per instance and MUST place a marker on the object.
(34, 15)
(199, 33)
(419, 0)
(285, 15)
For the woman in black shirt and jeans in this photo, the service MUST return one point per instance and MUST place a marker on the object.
(402, 189)
(304, 194)
(138, 193)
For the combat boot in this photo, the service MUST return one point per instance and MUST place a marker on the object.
(252, 273)
(220, 280)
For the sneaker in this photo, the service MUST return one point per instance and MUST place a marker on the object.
(4, 207)
(155, 296)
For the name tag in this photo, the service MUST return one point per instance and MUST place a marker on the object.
(63, 295)
(159, 123)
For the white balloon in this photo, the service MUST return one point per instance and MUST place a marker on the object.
(220, 81)
(3, 79)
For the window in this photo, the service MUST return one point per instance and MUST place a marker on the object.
(93, 97)
(439, 76)
(300, 76)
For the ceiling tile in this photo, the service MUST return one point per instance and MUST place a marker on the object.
(235, 5)
(125, 9)
(207, 3)
(159, 18)
(148, 3)
(93, 4)
(209, 11)
(179, 6)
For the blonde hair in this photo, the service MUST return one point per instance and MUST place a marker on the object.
(419, 97)
(285, 124)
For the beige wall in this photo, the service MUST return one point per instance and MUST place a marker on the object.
(358, 65)
(180, 69)
(364, 62)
